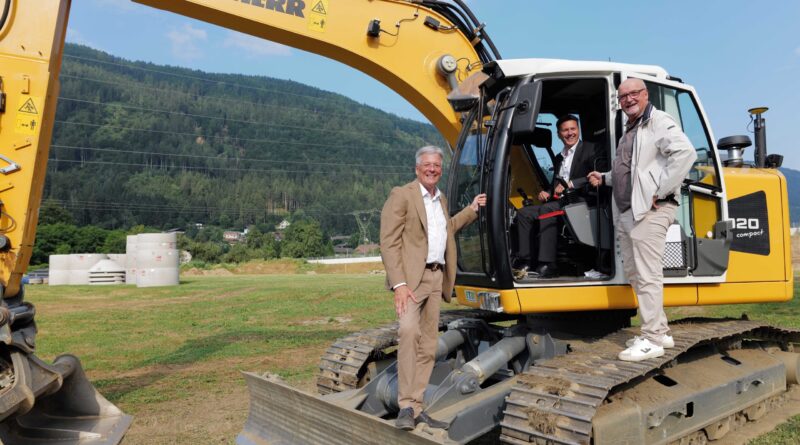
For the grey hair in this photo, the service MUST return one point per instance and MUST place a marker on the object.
(428, 150)
(635, 81)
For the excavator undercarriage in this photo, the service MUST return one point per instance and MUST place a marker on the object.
(539, 383)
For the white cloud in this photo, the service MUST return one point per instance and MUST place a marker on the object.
(797, 51)
(185, 42)
(76, 36)
(255, 46)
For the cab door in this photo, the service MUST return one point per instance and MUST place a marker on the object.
(467, 180)
(698, 249)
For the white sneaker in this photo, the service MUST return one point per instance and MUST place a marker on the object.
(641, 349)
(666, 341)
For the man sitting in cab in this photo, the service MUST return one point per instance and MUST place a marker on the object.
(571, 166)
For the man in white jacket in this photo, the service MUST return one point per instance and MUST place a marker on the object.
(653, 156)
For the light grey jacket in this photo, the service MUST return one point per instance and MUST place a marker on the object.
(662, 156)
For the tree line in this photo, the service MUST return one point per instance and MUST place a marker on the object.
(57, 234)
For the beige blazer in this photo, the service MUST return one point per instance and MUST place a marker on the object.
(404, 238)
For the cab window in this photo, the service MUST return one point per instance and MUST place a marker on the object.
(682, 106)
(466, 183)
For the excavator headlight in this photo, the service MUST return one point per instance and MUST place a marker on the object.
(490, 301)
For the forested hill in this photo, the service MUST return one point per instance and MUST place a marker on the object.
(137, 143)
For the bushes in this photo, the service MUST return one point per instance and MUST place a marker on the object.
(63, 238)
(303, 239)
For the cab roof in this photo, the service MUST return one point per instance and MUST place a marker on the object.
(527, 67)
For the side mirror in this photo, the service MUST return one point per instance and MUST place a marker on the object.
(526, 110)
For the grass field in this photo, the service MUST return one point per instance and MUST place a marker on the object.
(172, 356)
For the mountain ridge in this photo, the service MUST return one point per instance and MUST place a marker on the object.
(139, 143)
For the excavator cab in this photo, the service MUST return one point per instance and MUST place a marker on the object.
(508, 148)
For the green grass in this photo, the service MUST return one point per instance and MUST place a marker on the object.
(786, 434)
(144, 347)
(150, 350)
(203, 319)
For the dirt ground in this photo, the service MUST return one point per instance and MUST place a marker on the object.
(217, 415)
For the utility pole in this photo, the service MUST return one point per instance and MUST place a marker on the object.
(363, 218)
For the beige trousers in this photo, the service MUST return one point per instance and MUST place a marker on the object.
(642, 244)
(418, 336)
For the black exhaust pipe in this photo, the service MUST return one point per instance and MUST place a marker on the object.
(760, 130)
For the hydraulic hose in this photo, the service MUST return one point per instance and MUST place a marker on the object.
(4, 17)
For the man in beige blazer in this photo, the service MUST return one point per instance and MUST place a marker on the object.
(418, 249)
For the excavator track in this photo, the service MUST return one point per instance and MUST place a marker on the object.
(343, 366)
(555, 400)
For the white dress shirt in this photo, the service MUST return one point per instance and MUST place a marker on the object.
(437, 226)
(566, 165)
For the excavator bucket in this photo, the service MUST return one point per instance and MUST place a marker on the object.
(281, 415)
(56, 405)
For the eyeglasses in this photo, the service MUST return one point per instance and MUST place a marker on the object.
(633, 95)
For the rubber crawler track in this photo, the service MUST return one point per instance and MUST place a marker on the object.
(564, 392)
(345, 362)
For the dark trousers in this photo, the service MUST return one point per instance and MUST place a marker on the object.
(543, 231)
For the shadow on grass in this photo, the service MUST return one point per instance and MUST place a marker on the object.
(198, 350)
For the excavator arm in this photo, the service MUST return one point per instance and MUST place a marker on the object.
(422, 49)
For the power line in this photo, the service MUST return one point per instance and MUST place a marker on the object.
(218, 82)
(218, 98)
(203, 116)
(108, 205)
(194, 135)
(189, 167)
(116, 150)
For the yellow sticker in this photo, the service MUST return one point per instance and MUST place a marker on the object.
(318, 15)
(26, 124)
(29, 107)
(27, 121)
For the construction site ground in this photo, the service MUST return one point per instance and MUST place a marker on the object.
(172, 356)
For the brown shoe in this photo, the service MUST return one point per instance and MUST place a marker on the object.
(405, 419)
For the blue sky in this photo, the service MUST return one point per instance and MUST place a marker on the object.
(737, 54)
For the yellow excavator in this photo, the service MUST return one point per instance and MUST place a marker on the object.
(532, 359)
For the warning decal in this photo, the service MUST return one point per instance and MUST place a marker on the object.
(317, 18)
(27, 120)
(319, 8)
(29, 107)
